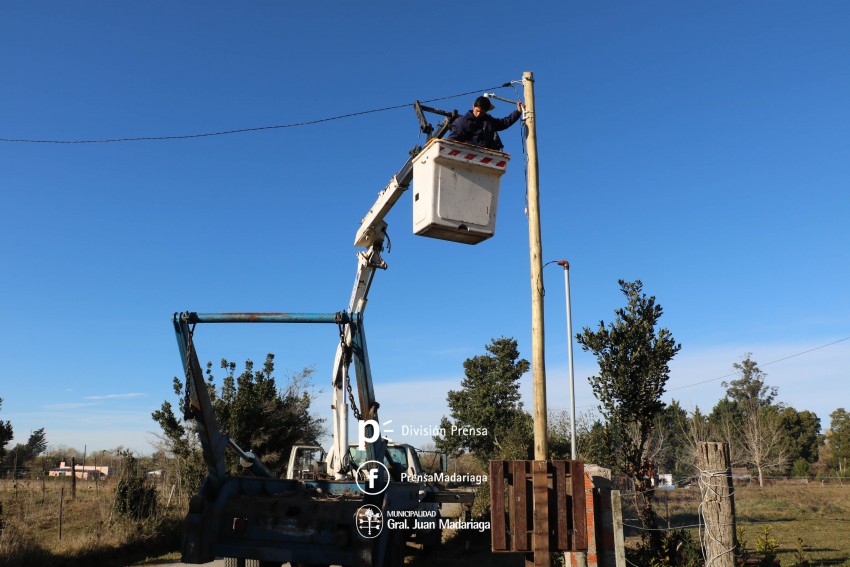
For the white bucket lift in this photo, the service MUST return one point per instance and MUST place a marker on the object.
(456, 191)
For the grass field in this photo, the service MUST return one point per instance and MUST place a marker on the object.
(93, 535)
(818, 515)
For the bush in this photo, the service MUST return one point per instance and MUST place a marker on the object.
(676, 549)
(801, 468)
(133, 497)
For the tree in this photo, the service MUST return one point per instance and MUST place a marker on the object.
(633, 370)
(590, 440)
(596, 446)
(695, 429)
(559, 435)
(725, 419)
(37, 443)
(673, 449)
(262, 418)
(750, 421)
(23, 454)
(763, 443)
(6, 433)
(839, 439)
(750, 390)
(488, 419)
(802, 435)
(252, 411)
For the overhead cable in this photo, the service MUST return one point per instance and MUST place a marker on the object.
(243, 130)
(765, 364)
(737, 373)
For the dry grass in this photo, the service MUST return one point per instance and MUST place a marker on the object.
(819, 515)
(90, 531)
(92, 535)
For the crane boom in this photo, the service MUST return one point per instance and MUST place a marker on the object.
(371, 236)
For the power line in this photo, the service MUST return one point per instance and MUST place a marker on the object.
(765, 364)
(736, 373)
(244, 130)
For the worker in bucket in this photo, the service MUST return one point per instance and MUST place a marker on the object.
(477, 127)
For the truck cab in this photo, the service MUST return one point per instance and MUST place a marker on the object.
(309, 462)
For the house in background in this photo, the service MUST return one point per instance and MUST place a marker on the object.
(84, 472)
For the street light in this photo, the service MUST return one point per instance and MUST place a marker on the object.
(566, 266)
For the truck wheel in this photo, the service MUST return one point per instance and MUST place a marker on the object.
(240, 562)
(433, 539)
(396, 549)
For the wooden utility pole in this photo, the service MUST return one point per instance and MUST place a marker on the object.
(540, 539)
(538, 365)
(718, 504)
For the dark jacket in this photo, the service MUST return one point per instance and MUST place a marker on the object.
(483, 130)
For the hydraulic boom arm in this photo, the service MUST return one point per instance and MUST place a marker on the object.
(371, 236)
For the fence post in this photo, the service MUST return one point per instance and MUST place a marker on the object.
(619, 539)
(61, 498)
(73, 477)
(718, 504)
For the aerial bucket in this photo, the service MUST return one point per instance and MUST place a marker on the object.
(456, 191)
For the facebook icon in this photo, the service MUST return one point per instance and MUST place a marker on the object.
(372, 477)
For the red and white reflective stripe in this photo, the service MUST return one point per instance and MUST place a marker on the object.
(479, 158)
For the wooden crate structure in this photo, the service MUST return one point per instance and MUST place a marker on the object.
(530, 499)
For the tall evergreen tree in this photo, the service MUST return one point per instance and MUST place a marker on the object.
(37, 443)
(802, 434)
(633, 360)
(750, 390)
(488, 418)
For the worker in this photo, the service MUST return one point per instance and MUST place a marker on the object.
(477, 127)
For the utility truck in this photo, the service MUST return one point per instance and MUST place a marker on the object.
(330, 509)
(405, 464)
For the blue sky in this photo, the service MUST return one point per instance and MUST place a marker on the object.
(700, 147)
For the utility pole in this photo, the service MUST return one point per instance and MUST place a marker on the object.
(541, 486)
(538, 365)
(540, 539)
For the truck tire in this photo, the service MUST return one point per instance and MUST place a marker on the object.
(234, 562)
(433, 539)
(396, 549)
